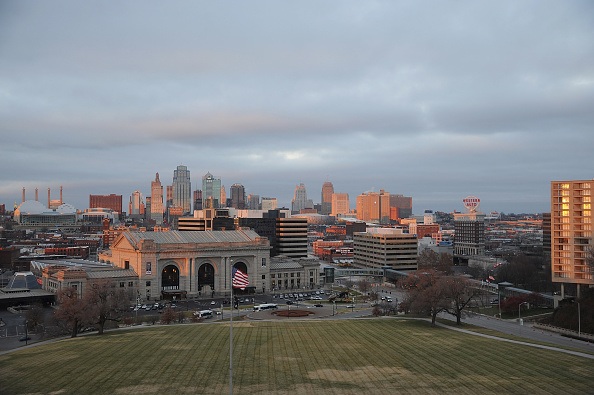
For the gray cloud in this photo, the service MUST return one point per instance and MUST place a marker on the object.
(434, 100)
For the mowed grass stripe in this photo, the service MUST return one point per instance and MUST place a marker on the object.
(297, 357)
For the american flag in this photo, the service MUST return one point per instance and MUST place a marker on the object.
(240, 279)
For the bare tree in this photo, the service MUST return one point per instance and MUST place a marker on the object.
(427, 293)
(35, 318)
(168, 316)
(459, 294)
(72, 311)
(431, 260)
(364, 285)
(106, 303)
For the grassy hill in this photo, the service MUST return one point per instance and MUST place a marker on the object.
(292, 357)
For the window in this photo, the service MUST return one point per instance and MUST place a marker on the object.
(122, 284)
(292, 274)
(126, 264)
(263, 277)
(148, 283)
(130, 283)
(272, 276)
(263, 262)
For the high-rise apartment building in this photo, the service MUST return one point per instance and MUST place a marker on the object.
(300, 200)
(571, 233)
(381, 247)
(327, 192)
(238, 196)
(111, 201)
(374, 207)
(182, 189)
(157, 208)
(340, 204)
(211, 188)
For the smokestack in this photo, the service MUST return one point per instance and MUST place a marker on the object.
(61, 201)
(48, 198)
(23, 197)
(36, 194)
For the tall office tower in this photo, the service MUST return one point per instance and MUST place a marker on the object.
(300, 200)
(327, 191)
(182, 189)
(340, 204)
(571, 234)
(253, 202)
(211, 188)
(380, 247)
(198, 199)
(136, 205)
(403, 204)
(111, 201)
(223, 198)
(157, 208)
(269, 203)
(374, 207)
(469, 232)
(238, 196)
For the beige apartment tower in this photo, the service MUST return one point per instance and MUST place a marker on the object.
(571, 233)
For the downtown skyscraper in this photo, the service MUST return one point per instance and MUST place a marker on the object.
(300, 200)
(327, 191)
(182, 189)
(157, 209)
(211, 188)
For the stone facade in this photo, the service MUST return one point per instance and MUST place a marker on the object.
(191, 263)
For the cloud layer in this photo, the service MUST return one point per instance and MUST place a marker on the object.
(432, 100)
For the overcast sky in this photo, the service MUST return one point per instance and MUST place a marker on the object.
(434, 100)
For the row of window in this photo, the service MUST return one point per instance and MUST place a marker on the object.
(280, 275)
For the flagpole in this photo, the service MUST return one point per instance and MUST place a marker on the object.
(231, 339)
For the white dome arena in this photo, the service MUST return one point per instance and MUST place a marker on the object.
(31, 207)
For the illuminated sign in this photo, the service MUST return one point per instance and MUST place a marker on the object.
(471, 203)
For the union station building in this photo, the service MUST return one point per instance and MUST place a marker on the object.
(182, 264)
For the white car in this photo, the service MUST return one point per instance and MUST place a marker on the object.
(213, 303)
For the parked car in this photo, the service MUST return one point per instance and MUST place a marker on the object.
(318, 305)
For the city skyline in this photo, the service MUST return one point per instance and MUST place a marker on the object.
(434, 100)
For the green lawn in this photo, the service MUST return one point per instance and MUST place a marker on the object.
(384, 356)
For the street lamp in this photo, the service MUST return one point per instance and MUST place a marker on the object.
(579, 321)
(520, 311)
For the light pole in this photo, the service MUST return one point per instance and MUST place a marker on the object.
(520, 311)
(579, 321)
